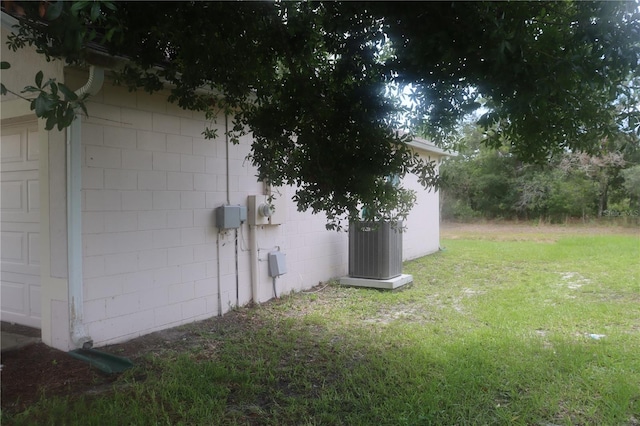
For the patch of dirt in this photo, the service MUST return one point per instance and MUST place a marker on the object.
(400, 312)
(574, 280)
(35, 370)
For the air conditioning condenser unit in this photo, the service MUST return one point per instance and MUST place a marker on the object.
(375, 250)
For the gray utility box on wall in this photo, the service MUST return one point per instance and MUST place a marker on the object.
(277, 264)
(375, 250)
(230, 217)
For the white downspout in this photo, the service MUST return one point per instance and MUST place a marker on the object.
(77, 332)
(254, 254)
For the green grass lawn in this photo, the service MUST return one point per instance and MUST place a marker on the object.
(534, 330)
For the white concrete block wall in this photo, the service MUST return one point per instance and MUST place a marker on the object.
(422, 235)
(313, 254)
(143, 217)
(153, 257)
(150, 184)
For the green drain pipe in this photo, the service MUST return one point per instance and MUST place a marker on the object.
(103, 361)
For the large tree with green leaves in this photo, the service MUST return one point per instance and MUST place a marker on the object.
(315, 81)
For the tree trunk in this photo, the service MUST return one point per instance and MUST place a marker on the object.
(604, 195)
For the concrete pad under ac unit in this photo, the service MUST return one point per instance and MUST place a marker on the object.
(386, 284)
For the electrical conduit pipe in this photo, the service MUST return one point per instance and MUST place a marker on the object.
(253, 243)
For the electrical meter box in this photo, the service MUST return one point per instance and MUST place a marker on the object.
(229, 217)
(263, 211)
(277, 264)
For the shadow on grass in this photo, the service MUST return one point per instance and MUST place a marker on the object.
(290, 371)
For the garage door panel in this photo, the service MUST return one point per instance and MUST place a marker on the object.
(13, 297)
(20, 193)
(20, 197)
(20, 224)
(35, 306)
(29, 271)
(19, 175)
(33, 146)
(18, 308)
(19, 227)
(12, 148)
(33, 196)
(20, 295)
(17, 167)
(32, 271)
(33, 248)
(15, 217)
(12, 245)
(15, 277)
(11, 195)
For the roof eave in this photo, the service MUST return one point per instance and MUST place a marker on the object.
(426, 146)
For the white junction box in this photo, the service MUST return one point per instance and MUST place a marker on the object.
(277, 263)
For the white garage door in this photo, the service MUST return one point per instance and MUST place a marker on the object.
(20, 224)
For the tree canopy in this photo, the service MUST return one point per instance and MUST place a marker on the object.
(319, 84)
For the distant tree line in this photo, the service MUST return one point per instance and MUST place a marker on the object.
(489, 183)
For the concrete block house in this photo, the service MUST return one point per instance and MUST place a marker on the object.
(108, 228)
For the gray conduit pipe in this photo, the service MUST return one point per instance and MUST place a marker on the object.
(219, 277)
(253, 246)
(226, 132)
(77, 332)
(226, 139)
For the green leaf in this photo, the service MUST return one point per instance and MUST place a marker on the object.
(69, 94)
(84, 108)
(51, 122)
(110, 33)
(54, 89)
(41, 105)
(77, 7)
(30, 89)
(78, 41)
(69, 115)
(95, 11)
(65, 117)
(3, 89)
(60, 112)
(39, 77)
(4, 65)
(54, 10)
